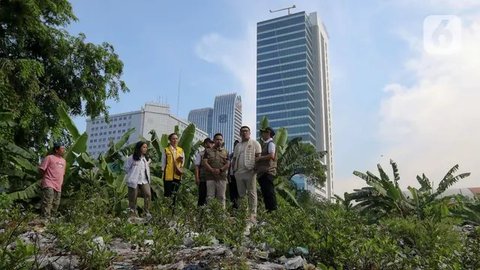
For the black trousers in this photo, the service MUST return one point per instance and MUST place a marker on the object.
(170, 187)
(268, 191)
(202, 192)
(233, 191)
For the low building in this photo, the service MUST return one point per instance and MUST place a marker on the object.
(151, 116)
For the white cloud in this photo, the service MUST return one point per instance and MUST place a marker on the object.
(453, 5)
(434, 123)
(237, 56)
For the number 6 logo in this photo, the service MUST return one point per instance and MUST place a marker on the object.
(442, 34)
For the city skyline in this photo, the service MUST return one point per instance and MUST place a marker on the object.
(392, 99)
(225, 117)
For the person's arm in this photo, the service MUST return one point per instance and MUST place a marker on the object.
(182, 158)
(197, 167)
(271, 152)
(258, 150)
(44, 165)
(164, 160)
(128, 164)
(206, 164)
(226, 166)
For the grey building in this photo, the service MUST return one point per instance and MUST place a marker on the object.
(293, 85)
(202, 118)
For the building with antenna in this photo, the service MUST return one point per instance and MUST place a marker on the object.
(152, 116)
(293, 81)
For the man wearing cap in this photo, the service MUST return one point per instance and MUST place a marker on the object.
(244, 156)
(200, 179)
(53, 170)
(267, 168)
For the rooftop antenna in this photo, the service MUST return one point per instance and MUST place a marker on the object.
(287, 8)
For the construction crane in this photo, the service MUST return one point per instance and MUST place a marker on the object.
(288, 8)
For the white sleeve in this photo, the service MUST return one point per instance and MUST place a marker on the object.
(164, 162)
(271, 148)
(198, 159)
(128, 164)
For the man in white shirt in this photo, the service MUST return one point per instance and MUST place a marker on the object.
(244, 156)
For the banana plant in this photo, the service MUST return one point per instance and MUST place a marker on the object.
(384, 197)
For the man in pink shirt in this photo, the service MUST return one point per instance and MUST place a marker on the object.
(53, 170)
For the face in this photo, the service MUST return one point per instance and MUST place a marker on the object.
(218, 141)
(174, 140)
(265, 135)
(60, 151)
(209, 145)
(144, 149)
(245, 133)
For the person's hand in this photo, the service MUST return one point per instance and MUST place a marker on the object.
(197, 181)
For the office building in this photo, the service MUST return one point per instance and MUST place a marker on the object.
(151, 116)
(293, 85)
(202, 118)
(226, 118)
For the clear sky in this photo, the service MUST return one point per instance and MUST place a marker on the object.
(392, 97)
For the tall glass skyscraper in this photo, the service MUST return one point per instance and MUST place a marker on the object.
(293, 86)
(225, 118)
(202, 118)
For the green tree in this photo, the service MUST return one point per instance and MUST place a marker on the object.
(295, 157)
(42, 66)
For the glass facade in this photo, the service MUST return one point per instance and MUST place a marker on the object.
(285, 92)
(202, 118)
(227, 118)
(293, 88)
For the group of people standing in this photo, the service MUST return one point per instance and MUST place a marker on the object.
(250, 160)
(215, 168)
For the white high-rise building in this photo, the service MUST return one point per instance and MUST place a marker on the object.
(225, 118)
(293, 81)
(152, 116)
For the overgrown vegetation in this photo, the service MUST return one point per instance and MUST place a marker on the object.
(46, 75)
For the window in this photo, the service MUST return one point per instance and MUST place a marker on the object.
(222, 118)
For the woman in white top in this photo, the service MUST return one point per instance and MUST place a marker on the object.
(138, 178)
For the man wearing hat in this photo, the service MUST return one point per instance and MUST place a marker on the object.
(266, 165)
(53, 170)
(200, 179)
